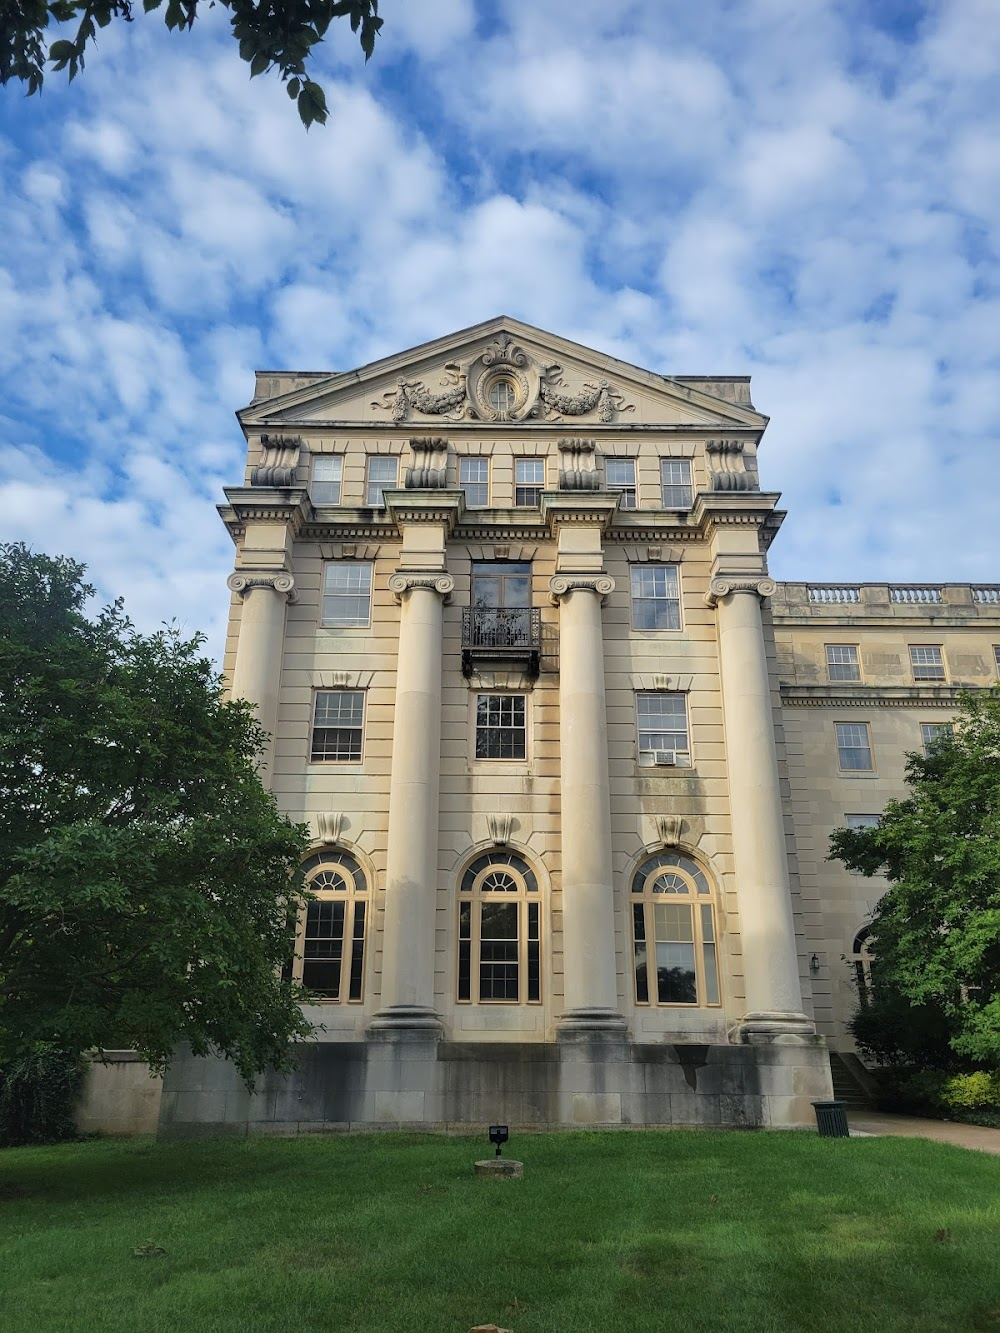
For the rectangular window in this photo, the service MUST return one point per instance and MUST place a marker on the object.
(338, 723)
(656, 598)
(662, 721)
(529, 482)
(382, 474)
(474, 479)
(861, 821)
(323, 948)
(501, 727)
(930, 731)
(927, 662)
(327, 475)
(854, 747)
(675, 474)
(347, 594)
(996, 657)
(499, 952)
(619, 475)
(842, 661)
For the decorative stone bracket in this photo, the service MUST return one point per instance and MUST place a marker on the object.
(278, 464)
(602, 584)
(729, 471)
(724, 587)
(669, 829)
(501, 826)
(401, 584)
(330, 824)
(430, 464)
(577, 466)
(244, 583)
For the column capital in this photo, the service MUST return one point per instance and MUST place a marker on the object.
(245, 581)
(602, 584)
(761, 587)
(402, 583)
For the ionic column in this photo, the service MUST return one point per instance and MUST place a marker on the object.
(414, 797)
(767, 930)
(590, 974)
(257, 670)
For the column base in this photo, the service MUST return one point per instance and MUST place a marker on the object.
(400, 1021)
(775, 1023)
(587, 1023)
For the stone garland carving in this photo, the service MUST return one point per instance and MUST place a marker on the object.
(330, 825)
(279, 583)
(602, 584)
(430, 465)
(730, 474)
(501, 826)
(762, 587)
(449, 401)
(602, 396)
(577, 466)
(281, 458)
(401, 584)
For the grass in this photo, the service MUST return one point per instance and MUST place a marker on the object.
(645, 1232)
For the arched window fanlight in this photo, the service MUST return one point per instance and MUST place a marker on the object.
(674, 937)
(499, 931)
(330, 948)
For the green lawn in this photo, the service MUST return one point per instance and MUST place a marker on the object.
(634, 1231)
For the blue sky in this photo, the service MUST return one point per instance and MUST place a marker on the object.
(807, 193)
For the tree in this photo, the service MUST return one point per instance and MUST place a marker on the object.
(272, 34)
(147, 890)
(936, 932)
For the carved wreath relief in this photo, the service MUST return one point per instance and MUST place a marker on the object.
(502, 383)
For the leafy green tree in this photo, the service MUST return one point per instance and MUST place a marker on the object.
(936, 932)
(272, 34)
(147, 889)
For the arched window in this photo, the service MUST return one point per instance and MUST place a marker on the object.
(861, 961)
(330, 949)
(499, 943)
(674, 933)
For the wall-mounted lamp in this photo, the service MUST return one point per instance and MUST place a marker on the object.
(814, 963)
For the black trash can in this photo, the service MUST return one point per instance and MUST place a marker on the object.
(831, 1119)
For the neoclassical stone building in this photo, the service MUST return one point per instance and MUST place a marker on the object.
(569, 755)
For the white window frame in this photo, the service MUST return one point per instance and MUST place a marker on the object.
(502, 696)
(677, 491)
(927, 661)
(845, 745)
(626, 489)
(336, 876)
(664, 598)
(645, 735)
(352, 727)
(376, 485)
(470, 487)
(333, 464)
(331, 597)
(523, 487)
(843, 662)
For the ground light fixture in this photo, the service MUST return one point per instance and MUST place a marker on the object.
(499, 1135)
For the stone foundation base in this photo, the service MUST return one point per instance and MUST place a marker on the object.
(422, 1083)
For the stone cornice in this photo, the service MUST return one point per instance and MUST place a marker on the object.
(402, 583)
(872, 696)
(432, 506)
(245, 581)
(561, 508)
(262, 504)
(760, 585)
(561, 584)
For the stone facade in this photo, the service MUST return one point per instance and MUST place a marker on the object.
(568, 753)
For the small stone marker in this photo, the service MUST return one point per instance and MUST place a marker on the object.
(489, 1328)
(500, 1168)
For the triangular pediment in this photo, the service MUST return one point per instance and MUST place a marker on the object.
(501, 371)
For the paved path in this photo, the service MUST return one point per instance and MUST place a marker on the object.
(942, 1131)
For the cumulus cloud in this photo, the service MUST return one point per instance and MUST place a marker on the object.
(810, 194)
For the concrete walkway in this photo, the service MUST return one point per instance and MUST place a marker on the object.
(941, 1131)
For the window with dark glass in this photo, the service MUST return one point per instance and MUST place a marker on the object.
(338, 726)
(854, 747)
(501, 726)
(499, 937)
(675, 949)
(501, 604)
(330, 951)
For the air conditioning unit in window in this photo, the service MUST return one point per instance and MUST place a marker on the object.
(664, 758)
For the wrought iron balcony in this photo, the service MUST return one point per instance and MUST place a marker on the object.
(501, 634)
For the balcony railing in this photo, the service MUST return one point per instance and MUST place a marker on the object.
(501, 634)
